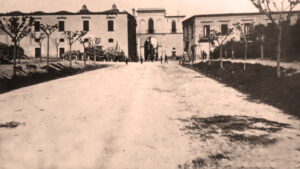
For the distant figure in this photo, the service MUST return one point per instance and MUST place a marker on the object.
(161, 60)
(126, 60)
(204, 55)
(141, 60)
(166, 59)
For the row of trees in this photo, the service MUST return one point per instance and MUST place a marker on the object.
(280, 22)
(19, 27)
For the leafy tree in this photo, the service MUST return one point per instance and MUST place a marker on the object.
(16, 28)
(72, 37)
(48, 30)
(56, 43)
(284, 10)
(239, 26)
(38, 38)
(221, 38)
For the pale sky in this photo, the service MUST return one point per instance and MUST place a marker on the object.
(185, 7)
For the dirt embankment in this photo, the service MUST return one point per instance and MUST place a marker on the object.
(33, 73)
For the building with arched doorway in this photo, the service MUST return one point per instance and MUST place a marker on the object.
(158, 34)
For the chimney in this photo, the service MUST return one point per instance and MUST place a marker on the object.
(133, 11)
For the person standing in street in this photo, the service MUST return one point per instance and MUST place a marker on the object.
(141, 59)
(126, 60)
(166, 59)
(161, 60)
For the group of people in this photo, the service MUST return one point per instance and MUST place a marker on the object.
(161, 60)
(142, 60)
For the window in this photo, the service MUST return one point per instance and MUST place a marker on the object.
(61, 26)
(61, 40)
(173, 27)
(150, 26)
(110, 25)
(86, 40)
(37, 52)
(37, 26)
(206, 31)
(224, 29)
(37, 40)
(192, 29)
(110, 40)
(61, 52)
(247, 28)
(185, 32)
(86, 25)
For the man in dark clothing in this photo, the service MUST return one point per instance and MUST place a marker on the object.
(141, 60)
(161, 60)
(126, 60)
(166, 59)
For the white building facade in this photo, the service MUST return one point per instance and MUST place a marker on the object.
(197, 29)
(114, 28)
(158, 35)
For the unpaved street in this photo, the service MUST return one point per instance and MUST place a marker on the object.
(143, 116)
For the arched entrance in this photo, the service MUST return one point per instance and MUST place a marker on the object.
(151, 49)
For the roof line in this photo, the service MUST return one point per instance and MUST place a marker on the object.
(233, 14)
(41, 13)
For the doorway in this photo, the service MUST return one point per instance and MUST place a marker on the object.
(61, 52)
(151, 49)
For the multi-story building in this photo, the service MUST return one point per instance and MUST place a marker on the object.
(158, 35)
(197, 29)
(115, 28)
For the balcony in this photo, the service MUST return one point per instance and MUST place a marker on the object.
(205, 38)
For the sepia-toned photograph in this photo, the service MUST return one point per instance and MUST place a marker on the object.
(159, 84)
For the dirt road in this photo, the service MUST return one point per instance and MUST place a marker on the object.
(148, 116)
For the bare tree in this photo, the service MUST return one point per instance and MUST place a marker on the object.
(220, 38)
(284, 10)
(16, 28)
(48, 30)
(72, 37)
(94, 43)
(244, 35)
(56, 43)
(85, 43)
(38, 38)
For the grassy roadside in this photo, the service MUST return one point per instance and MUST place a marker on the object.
(259, 82)
(31, 74)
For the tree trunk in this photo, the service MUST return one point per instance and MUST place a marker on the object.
(246, 53)
(232, 51)
(48, 51)
(41, 52)
(226, 54)
(57, 53)
(279, 49)
(70, 55)
(84, 56)
(94, 55)
(221, 56)
(262, 48)
(209, 55)
(15, 61)
(18, 52)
